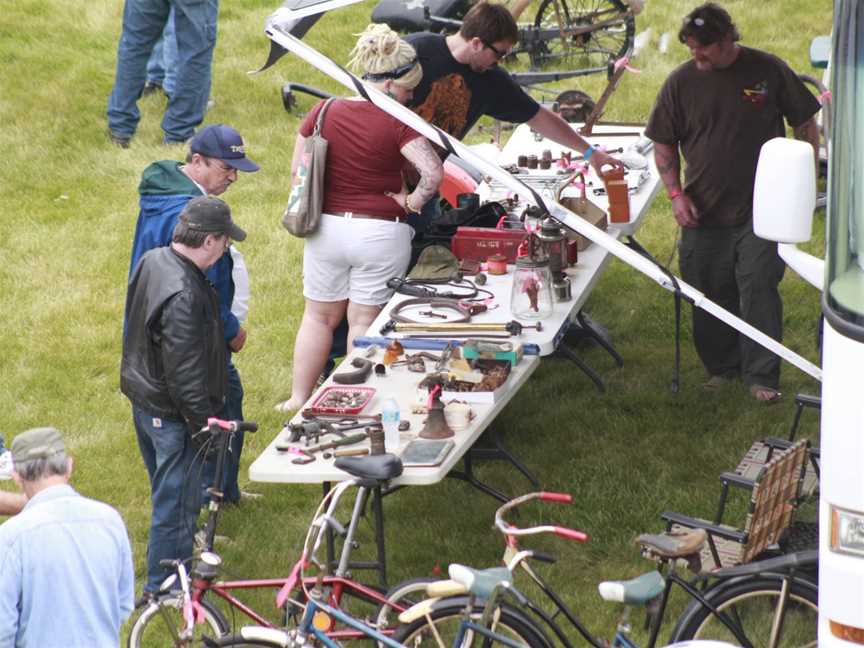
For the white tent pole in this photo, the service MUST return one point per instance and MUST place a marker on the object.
(556, 210)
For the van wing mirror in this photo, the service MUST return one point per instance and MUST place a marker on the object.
(784, 195)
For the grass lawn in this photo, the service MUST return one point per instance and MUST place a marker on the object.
(69, 207)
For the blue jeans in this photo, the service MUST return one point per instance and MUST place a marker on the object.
(233, 411)
(143, 24)
(174, 469)
(162, 66)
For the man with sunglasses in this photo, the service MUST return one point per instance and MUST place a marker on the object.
(717, 110)
(462, 82)
(216, 156)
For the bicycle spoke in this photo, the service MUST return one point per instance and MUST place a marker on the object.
(580, 33)
(777, 621)
(765, 618)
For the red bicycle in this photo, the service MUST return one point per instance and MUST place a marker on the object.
(185, 610)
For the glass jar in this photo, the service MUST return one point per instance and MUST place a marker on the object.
(531, 296)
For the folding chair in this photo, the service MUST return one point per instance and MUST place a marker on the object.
(775, 495)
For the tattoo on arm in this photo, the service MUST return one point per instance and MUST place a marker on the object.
(422, 155)
(668, 165)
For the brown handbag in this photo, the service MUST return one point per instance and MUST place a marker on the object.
(303, 213)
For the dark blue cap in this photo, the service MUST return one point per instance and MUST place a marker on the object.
(222, 142)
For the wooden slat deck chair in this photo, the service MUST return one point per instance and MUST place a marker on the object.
(775, 494)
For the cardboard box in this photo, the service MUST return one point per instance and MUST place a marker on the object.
(619, 196)
(587, 211)
(472, 352)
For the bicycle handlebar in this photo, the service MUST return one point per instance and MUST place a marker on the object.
(563, 498)
(230, 426)
(510, 530)
(571, 534)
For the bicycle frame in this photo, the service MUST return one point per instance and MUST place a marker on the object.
(338, 585)
(514, 558)
(307, 628)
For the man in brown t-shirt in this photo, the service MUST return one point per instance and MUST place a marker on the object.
(717, 110)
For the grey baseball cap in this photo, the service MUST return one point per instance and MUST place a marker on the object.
(37, 443)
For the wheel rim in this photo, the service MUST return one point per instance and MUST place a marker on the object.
(754, 612)
(163, 628)
(591, 49)
(447, 628)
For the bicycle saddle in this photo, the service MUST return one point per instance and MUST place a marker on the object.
(374, 467)
(679, 544)
(636, 591)
(480, 582)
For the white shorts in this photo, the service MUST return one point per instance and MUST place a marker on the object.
(352, 258)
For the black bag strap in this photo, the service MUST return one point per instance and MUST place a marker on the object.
(320, 119)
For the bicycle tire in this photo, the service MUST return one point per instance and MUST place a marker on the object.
(159, 623)
(592, 50)
(408, 593)
(446, 618)
(752, 604)
(238, 641)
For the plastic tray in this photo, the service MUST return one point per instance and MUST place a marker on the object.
(365, 395)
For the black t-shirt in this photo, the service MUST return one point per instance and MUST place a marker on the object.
(720, 120)
(453, 97)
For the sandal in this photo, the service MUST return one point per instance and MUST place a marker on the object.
(767, 395)
(716, 383)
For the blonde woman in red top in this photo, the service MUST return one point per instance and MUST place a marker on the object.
(363, 239)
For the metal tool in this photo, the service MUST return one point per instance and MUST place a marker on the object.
(446, 354)
(348, 452)
(439, 342)
(320, 413)
(349, 440)
(315, 428)
(512, 327)
(308, 454)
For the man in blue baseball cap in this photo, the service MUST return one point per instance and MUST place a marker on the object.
(224, 143)
(217, 153)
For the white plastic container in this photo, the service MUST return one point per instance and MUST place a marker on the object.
(390, 423)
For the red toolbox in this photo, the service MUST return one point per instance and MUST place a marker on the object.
(479, 243)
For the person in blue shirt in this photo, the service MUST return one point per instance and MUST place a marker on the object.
(216, 155)
(66, 574)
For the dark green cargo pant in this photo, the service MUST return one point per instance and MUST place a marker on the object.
(740, 272)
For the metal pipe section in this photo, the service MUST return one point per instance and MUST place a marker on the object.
(280, 35)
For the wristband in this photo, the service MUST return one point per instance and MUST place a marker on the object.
(587, 153)
(675, 193)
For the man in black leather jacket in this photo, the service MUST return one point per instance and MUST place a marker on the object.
(174, 370)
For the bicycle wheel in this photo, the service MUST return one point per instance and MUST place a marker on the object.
(446, 620)
(238, 641)
(404, 594)
(753, 606)
(159, 625)
(603, 30)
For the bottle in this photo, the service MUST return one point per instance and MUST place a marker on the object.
(390, 423)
